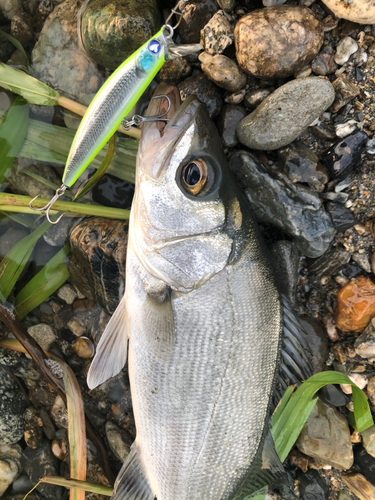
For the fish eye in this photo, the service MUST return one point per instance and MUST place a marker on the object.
(194, 176)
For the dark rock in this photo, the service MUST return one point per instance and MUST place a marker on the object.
(97, 265)
(345, 91)
(341, 159)
(57, 235)
(21, 28)
(41, 462)
(332, 395)
(285, 259)
(227, 123)
(291, 207)
(365, 462)
(330, 263)
(318, 341)
(276, 42)
(324, 62)
(312, 486)
(113, 192)
(12, 405)
(341, 216)
(112, 30)
(197, 13)
(351, 270)
(205, 90)
(6, 49)
(324, 131)
(175, 69)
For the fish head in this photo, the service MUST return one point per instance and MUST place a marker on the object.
(179, 222)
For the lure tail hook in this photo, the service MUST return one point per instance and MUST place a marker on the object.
(47, 208)
(138, 119)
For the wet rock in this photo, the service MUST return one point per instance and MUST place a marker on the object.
(341, 160)
(286, 113)
(368, 437)
(43, 334)
(326, 437)
(341, 216)
(33, 427)
(11, 409)
(223, 71)
(345, 91)
(358, 11)
(67, 294)
(175, 69)
(10, 465)
(97, 265)
(10, 238)
(217, 35)
(276, 42)
(359, 485)
(285, 257)
(56, 59)
(365, 462)
(318, 342)
(24, 184)
(355, 305)
(205, 90)
(365, 343)
(227, 122)
(57, 234)
(41, 462)
(255, 97)
(345, 129)
(83, 347)
(324, 63)
(344, 49)
(196, 15)
(332, 395)
(112, 30)
(119, 441)
(293, 208)
(312, 486)
(301, 164)
(113, 192)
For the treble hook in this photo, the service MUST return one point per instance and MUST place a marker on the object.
(47, 208)
(138, 119)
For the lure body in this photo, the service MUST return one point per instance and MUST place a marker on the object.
(115, 99)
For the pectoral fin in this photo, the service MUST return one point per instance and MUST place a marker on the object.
(111, 352)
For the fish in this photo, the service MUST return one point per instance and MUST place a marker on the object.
(209, 341)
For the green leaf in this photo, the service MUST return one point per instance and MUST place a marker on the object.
(17, 44)
(14, 262)
(23, 219)
(12, 134)
(44, 284)
(292, 414)
(26, 86)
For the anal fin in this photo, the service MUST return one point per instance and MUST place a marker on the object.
(131, 482)
(111, 352)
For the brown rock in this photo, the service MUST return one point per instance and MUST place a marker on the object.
(276, 42)
(359, 485)
(175, 69)
(223, 71)
(345, 91)
(355, 305)
(358, 11)
(324, 63)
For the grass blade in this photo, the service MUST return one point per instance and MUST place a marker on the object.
(74, 483)
(18, 46)
(43, 284)
(23, 219)
(12, 134)
(14, 262)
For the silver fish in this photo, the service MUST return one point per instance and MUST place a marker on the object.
(203, 317)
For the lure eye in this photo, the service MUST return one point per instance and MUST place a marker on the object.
(194, 176)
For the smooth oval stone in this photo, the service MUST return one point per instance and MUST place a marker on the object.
(358, 11)
(286, 113)
(112, 30)
(276, 42)
(223, 71)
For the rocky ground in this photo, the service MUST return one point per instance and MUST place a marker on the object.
(291, 90)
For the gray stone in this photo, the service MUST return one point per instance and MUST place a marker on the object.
(24, 184)
(223, 71)
(67, 293)
(10, 465)
(293, 208)
(365, 343)
(10, 8)
(10, 238)
(326, 437)
(368, 438)
(254, 97)
(43, 334)
(344, 49)
(57, 235)
(362, 260)
(12, 405)
(227, 123)
(286, 113)
(119, 441)
(217, 35)
(56, 59)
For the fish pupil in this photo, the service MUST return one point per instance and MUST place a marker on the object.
(192, 174)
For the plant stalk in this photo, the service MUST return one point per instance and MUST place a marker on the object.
(75, 483)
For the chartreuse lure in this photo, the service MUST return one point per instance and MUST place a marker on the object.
(115, 100)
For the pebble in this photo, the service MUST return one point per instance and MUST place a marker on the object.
(276, 42)
(43, 334)
(119, 441)
(10, 466)
(197, 13)
(343, 158)
(362, 260)
(292, 208)
(217, 35)
(205, 90)
(365, 344)
(176, 69)
(324, 63)
(59, 413)
(222, 71)
(57, 61)
(371, 390)
(33, 427)
(11, 409)
(311, 486)
(355, 305)
(67, 293)
(345, 129)
(345, 91)
(365, 462)
(286, 257)
(331, 395)
(254, 97)
(357, 11)
(227, 122)
(227, 5)
(111, 30)
(358, 379)
(83, 347)
(286, 113)
(344, 49)
(358, 484)
(236, 97)
(326, 437)
(368, 438)
(341, 216)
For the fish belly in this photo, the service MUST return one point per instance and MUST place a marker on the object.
(200, 412)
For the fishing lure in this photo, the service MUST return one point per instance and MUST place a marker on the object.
(116, 98)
